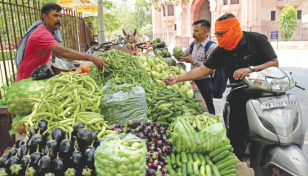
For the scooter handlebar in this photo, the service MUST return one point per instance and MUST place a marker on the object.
(235, 84)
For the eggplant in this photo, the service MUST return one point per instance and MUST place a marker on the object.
(42, 125)
(76, 145)
(50, 174)
(17, 143)
(44, 163)
(5, 156)
(25, 160)
(56, 134)
(57, 165)
(51, 147)
(36, 140)
(47, 137)
(4, 171)
(12, 152)
(23, 141)
(35, 157)
(32, 132)
(98, 142)
(76, 159)
(77, 127)
(70, 172)
(12, 160)
(84, 137)
(89, 156)
(94, 136)
(86, 172)
(22, 151)
(3, 161)
(133, 123)
(31, 171)
(66, 147)
(16, 170)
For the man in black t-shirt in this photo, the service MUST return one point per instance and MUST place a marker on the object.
(239, 53)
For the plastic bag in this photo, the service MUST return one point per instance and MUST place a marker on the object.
(185, 138)
(42, 72)
(121, 154)
(18, 95)
(120, 106)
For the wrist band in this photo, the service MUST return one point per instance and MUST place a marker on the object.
(176, 79)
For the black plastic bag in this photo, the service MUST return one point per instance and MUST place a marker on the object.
(42, 72)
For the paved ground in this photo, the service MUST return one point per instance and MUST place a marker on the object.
(295, 61)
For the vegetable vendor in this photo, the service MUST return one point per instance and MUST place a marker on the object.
(239, 53)
(196, 54)
(93, 44)
(41, 43)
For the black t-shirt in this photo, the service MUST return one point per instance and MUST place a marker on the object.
(253, 49)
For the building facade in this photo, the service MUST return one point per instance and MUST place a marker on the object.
(174, 23)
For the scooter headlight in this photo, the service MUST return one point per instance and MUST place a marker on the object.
(282, 84)
(259, 83)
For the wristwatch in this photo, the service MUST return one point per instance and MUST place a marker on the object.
(252, 68)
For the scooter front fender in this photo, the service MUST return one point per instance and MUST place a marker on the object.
(288, 158)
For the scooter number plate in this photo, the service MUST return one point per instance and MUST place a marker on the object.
(278, 104)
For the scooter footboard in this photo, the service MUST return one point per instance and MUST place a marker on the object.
(288, 158)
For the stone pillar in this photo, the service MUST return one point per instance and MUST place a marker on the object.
(213, 8)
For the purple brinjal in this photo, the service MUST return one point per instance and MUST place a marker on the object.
(56, 134)
(12, 160)
(84, 137)
(77, 127)
(89, 156)
(23, 141)
(57, 165)
(16, 170)
(51, 147)
(42, 125)
(22, 151)
(76, 159)
(44, 163)
(76, 145)
(32, 132)
(3, 161)
(25, 160)
(70, 172)
(35, 157)
(12, 152)
(66, 147)
(37, 139)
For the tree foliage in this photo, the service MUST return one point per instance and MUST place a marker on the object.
(287, 22)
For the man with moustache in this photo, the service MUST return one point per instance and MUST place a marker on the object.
(41, 43)
(239, 53)
(197, 54)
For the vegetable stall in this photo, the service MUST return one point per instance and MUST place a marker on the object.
(118, 121)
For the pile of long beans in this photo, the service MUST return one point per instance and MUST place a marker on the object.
(69, 98)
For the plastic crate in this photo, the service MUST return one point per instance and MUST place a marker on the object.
(5, 126)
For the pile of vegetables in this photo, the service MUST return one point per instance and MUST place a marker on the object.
(186, 139)
(121, 155)
(219, 162)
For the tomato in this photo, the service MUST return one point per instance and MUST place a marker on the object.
(85, 68)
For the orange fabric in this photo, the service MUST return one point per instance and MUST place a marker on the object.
(230, 39)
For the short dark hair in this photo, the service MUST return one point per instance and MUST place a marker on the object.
(93, 43)
(204, 23)
(48, 7)
(225, 17)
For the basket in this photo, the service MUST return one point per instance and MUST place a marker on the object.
(5, 127)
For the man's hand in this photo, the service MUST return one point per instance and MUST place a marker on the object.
(99, 62)
(187, 59)
(241, 73)
(169, 80)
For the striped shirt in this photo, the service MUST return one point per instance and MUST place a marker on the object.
(198, 54)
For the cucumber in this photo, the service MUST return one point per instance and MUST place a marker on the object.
(168, 159)
(196, 169)
(172, 159)
(226, 164)
(202, 170)
(178, 160)
(208, 160)
(189, 168)
(224, 160)
(221, 156)
(184, 169)
(208, 170)
(215, 171)
(196, 158)
(229, 167)
(170, 170)
(226, 172)
(183, 157)
(190, 158)
(201, 157)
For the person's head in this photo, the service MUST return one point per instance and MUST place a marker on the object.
(51, 15)
(201, 28)
(228, 31)
(93, 44)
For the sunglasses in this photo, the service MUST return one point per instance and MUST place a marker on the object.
(219, 34)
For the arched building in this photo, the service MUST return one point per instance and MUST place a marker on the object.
(173, 23)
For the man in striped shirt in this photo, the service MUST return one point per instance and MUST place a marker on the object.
(196, 54)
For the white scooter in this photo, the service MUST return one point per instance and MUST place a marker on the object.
(276, 125)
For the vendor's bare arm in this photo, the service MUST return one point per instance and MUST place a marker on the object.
(74, 55)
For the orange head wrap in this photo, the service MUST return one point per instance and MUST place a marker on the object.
(230, 39)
